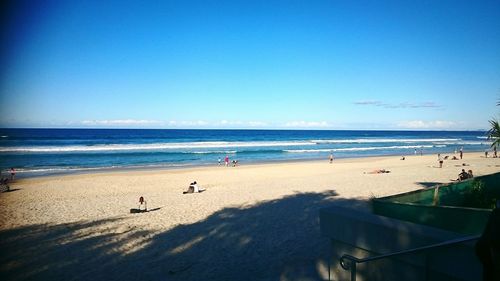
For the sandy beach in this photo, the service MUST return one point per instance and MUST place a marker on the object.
(254, 222)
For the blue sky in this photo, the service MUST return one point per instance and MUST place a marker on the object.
(251, 64)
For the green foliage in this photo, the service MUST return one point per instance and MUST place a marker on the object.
(494, 133)
(476, 197)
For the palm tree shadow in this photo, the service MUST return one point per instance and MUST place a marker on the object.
(276, 239)
(429, 184)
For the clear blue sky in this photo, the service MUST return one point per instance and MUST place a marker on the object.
(250, 64)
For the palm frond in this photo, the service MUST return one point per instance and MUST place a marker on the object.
(494, 133)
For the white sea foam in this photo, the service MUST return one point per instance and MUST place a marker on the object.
(214, 152)
(381, 140)
(362, 148)
(467, 143)
(194, 147)
(57, 169)
(153, 146)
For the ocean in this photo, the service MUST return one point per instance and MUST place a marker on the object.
(35, 152)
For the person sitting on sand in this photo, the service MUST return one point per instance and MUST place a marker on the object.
(190, 188)
(142, 202)
(454, 158)
(194, 188)
(379, 171)
(470, 174)
(5, 182)
(403, 158)
(463, 175)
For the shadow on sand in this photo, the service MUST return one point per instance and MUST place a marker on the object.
(429, 184)
(272, 240)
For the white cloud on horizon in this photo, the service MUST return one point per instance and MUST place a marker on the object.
(437, 124)
(171, 123)
(307, 124)
(367, 102)
(426, 104)
(235, 124)
(120, 122)
(186, 123)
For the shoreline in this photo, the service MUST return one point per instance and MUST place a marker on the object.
(106, 170)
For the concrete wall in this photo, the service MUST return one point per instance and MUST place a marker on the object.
(363, 234)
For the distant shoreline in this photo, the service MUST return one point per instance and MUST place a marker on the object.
(159, 168)
(45, 152)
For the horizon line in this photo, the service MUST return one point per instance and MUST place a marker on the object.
(241, 129)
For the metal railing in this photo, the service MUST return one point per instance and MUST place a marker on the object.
(349, 262)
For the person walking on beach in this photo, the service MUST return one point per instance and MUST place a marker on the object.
(495, 152)
(440, 160)
(461, 152)
(226, 160)
(331, 158)
(486, 153)
(12, 174)
(218, 161)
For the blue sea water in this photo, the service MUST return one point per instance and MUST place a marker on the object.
(48, 151)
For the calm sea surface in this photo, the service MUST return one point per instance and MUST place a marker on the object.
(46, 151)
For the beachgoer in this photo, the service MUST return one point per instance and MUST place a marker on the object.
(486, 153)
(142, 202)
(469, 173)
(415, 151)
(440, 160)
(197, 188)
(331, 158)
(218, 161)
(421, 151)
(454, 158)
(461, 152)
(226, 160)
(12, 174)
(403, 158)
(4, 181)
(463, 175)
(495, 151)
(190, 188)
(194, 188)
(379, 171)
(488, 246)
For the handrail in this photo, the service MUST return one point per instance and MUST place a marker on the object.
(353, 261)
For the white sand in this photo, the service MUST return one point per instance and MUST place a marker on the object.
(255, 222)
